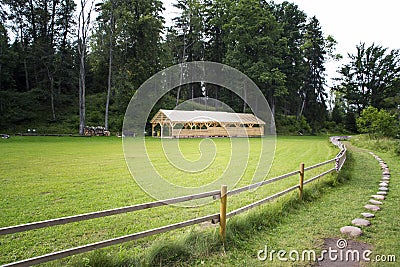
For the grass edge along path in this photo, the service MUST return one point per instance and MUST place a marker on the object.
(329, 205)
(286, 224)
(384, 232)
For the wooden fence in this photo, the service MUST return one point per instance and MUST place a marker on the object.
(220, 217)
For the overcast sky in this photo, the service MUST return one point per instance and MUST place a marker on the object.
(348, 21)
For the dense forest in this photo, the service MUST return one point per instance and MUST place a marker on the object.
(65, 65)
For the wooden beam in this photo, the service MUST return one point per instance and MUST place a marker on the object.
(256, 185)
(110, 242)
(260, 202)
(319, 176)
(301, 180)
(104, 213)
(222, 213)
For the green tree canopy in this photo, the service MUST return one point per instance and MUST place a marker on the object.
(377, 123)
(370, 78)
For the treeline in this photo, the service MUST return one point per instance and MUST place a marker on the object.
(368, 92)
(64, 66)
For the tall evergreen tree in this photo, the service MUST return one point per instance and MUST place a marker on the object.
(313, 92)
(255, 46)
(293, 22)
(216, 16)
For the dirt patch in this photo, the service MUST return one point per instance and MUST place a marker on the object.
(344, 253)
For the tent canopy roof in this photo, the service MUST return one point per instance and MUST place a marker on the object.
(200, 116)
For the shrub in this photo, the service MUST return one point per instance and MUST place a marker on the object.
(377, 123)
(292, 125)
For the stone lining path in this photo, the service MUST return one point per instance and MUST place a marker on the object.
(374, 204)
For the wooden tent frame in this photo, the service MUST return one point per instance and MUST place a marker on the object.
(192, 128)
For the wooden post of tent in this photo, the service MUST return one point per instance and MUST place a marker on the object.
(152, 129)
(301, 180)
(222, 213)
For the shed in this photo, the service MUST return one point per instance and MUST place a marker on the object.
(198, 123)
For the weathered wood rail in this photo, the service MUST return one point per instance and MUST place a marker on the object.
(104, 213)
(220, 217)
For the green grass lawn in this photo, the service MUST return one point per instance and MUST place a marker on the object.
(329, 204)
(48, 177)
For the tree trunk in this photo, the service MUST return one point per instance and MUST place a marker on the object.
(83, 29)
(33, 21)
(51, 79)
(25, 64)
(109, 67)
(53, 111)
(301, 109)
(26, 75)
(82, 89)
(181, 76)
(1, 85)
(245, 97)
(177, 96)
(52, 20)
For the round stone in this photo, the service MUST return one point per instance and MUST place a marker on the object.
(367, 215)
(381, 193)
(351, 230)
(372, 207)
(386, 173)
(360, 222)
(383, 188)
(379, 197)
(383, 184)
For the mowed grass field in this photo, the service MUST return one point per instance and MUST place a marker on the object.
(48, 177)
(329, 204)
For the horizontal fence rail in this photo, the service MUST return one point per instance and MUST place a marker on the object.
(319, 176)
(110, 242)
(104, 213)
(319, 164)
(256, 185)
(214, 218)
(260, 202)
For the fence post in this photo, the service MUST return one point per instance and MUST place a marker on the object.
(301, 180)
(222, 213)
